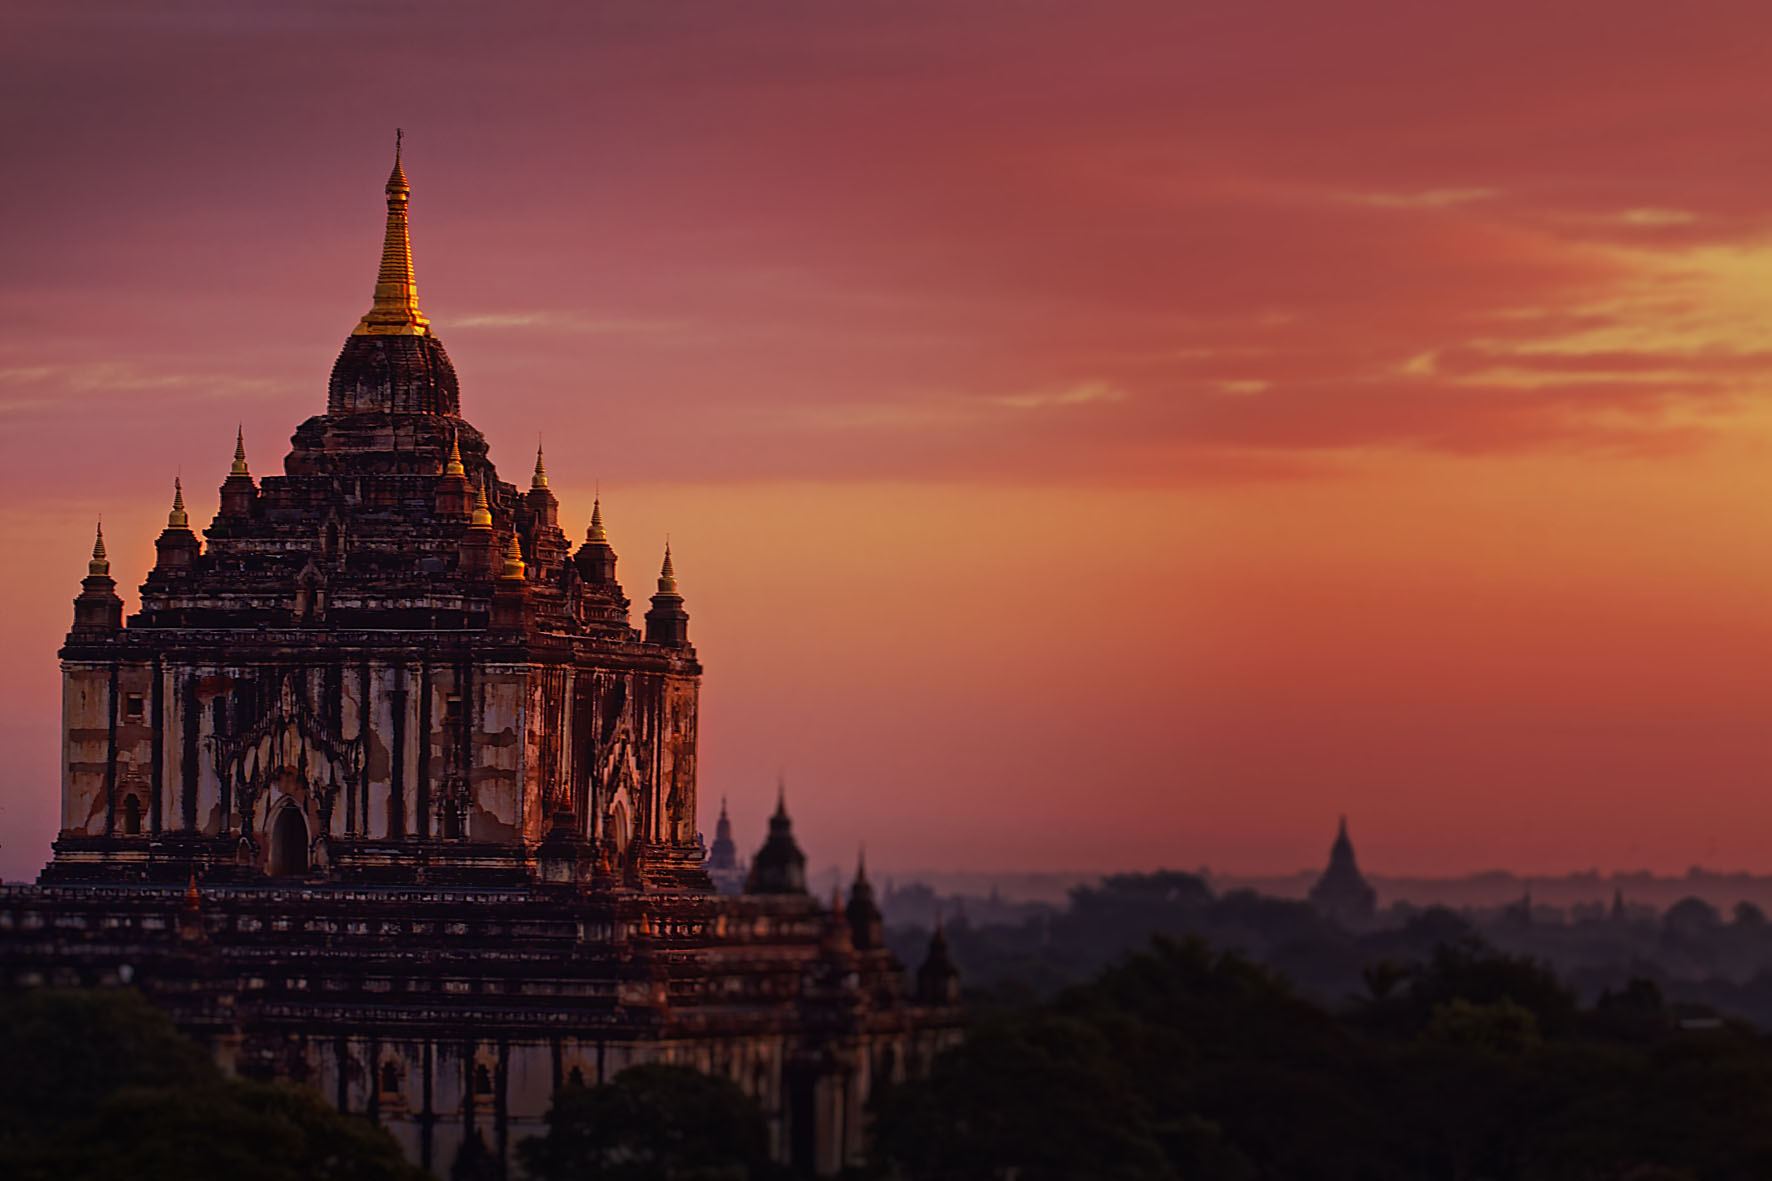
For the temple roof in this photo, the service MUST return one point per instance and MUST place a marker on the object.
(388, 512)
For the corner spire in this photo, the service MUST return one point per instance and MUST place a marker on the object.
(100, 566)
(178, 518)
(514, 568)
(240, 468)
(667, 623)
(453, 467)
(482, 518)
(395, 308)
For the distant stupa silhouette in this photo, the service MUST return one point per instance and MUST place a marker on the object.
(1341, 895)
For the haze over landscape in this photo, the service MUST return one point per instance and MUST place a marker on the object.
(1079, 450)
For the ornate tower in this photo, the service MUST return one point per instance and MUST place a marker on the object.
(383, 664)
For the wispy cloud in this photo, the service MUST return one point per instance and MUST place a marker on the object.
(945, 409)
(577, 323)
(1080, 394)
(1424, 199)
(35, 387)
(1656, 217)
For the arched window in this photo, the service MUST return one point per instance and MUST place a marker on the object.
(132, 816)
(289, 844)
(575, 1077)
(482, 1079)
(390, 1079)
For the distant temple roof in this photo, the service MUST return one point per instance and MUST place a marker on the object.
(1342, 893)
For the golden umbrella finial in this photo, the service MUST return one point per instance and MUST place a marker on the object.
(395, 309)
(178, 518)
(100, 566)
(541, 471)
(597, 533)
(240, 454)
(513, 570)
(667, 576)
(454, 467)
(482, 518)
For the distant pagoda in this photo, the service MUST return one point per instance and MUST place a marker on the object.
(726, 869)
(1342, 894)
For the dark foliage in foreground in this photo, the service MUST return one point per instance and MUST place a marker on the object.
(99, 1085)
(651, 1123)
(1177, 1062)
(1182, 1063)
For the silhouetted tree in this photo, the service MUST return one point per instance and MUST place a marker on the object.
(224, 1132)
(99, 1085)
(1062, 1106)
(66, 1050)
(1691, 917)
(651, 1123)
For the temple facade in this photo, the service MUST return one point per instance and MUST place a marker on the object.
(381, 790)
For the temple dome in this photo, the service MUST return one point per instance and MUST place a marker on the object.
(393, 375)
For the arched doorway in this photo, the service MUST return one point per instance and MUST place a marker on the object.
(618, 829)
(289, 844)
(132, 817)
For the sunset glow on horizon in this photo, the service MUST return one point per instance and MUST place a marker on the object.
(1086, 441)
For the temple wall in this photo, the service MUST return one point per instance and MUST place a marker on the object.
(86, 745)
(676, 764)
(372, 750)
(501, 702)
(379, 749)
(208, 691)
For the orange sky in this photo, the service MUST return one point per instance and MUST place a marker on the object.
(1092, 436)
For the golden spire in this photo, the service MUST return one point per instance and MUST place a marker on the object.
(597, 533)
(240, 454)
(454, 467)
(395, 310)
(541, 471)
(100, 566)
(667, 577)
(513, 570)
(178, 518)
(482, 518)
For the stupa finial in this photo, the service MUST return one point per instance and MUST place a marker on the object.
(178, 518)
(395, 308)
(240, 468)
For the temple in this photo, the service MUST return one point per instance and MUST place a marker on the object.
(381, 790)
(1342, 894)
(385, 664)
